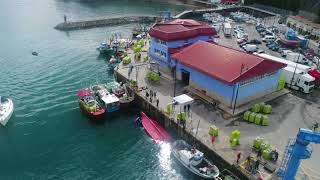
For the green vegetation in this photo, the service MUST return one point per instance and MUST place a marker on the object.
(126, 60)
(153, 76)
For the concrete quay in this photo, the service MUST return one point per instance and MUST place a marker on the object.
(67, 26)
(289, 113)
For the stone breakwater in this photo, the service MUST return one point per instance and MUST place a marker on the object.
(66, 26)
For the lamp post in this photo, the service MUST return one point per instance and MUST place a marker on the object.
(295, 69)
(236, 97)
(175, 79)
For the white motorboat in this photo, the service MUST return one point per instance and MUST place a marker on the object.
(194, 160)
(6, 110)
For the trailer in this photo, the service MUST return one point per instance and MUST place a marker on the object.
(227, 29)
(304, 68)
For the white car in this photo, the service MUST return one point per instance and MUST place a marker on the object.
(268, 38)
(285, 52)
(250, 48)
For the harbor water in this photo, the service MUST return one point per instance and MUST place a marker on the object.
(48, 137)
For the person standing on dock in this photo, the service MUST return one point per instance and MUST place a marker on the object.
(157, 102)
(65, 18)
(259, 154)
(154, 94)
(238, 157)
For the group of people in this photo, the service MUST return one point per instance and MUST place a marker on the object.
(152, 95)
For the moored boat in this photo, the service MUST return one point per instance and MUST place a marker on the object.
(116, 89)
(106, 49)
(125, 100)
(110, 101)
(89, 105)
(194, 160)
(6, 110)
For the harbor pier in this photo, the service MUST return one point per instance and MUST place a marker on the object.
(76, 25)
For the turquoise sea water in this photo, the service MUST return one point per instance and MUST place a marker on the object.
(48, 137)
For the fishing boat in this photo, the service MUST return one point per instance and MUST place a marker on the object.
(89, 105)
(110, 101)
(194, 160)
(116, 89)
(125, 100)
(105, 49)
(153, 129)
(6, 110)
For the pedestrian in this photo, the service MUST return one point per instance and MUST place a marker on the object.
(65, 18)
(238, 157)
(315, 126)
(154, 94)
(213, 139)
(188, 106)
(151, 99)
(151, 92)
(259, 154)
(157, 101)
(147, 94)
(184, 108)
(257, 164)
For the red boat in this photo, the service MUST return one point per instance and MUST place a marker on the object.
(154, 130)
(294, 43)
(89, 105)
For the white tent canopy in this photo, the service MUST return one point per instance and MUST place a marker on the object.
(183, 99)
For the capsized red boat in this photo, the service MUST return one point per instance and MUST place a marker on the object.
(154, 130)
(89, 105)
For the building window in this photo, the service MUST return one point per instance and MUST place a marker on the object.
(163, 54)
(156, 51)
(163, 42)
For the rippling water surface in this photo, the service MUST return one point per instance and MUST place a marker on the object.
(48, 137)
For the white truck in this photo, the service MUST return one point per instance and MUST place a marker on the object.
(302, 80)
(296, 57)
(298, 80)
(227, 29)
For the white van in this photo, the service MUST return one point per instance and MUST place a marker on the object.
(268, 38)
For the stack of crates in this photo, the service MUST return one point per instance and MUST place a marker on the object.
(235, 138)
(256, 116)
(265, 147)
(213, 131)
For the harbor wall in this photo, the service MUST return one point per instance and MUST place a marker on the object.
(175, 129)
(66, 26)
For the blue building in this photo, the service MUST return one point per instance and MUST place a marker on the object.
(226, 75)
(168, 36)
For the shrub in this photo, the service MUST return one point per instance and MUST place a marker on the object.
(126, 60)
(153, 77)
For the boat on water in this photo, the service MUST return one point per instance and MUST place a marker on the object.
(105, 49)
(110, 101)
(194, 160)
(6, 110)
(116, 89)
(125, 100)
(153, 129)
(89, 105)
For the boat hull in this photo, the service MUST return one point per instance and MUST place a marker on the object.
(8, 109)
(95, 115)
(153, 129)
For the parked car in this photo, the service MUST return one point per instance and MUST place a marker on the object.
(260, 30)
(238, 27)
(274, 46)
(250, 48)
(255, 41)
(268, 38)
(284, 52)
(243, 44)
(239, 41)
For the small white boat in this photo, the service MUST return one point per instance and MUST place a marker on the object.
(194, 160)
(6, 110)
(109, 100)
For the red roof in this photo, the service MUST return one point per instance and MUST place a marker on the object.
(181, 29)
(224, 63)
